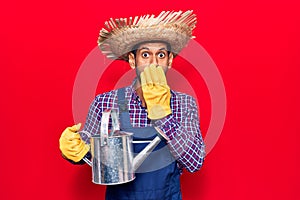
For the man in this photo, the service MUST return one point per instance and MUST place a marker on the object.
(149, 45)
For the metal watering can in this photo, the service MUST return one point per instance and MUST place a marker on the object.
(113, 160)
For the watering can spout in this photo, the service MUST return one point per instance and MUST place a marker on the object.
(138, 159)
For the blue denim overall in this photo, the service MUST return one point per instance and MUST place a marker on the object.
(158, 178)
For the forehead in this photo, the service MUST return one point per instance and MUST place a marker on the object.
(152, 45)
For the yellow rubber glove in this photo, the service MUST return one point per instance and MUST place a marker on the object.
(71, 144)
(156, 92)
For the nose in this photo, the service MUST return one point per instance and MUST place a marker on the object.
(154, 60)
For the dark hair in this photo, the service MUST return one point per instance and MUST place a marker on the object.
(135, 47)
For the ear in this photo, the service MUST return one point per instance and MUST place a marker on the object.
(131, 60)
(170, 60)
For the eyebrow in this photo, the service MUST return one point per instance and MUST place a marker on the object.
(149, 48)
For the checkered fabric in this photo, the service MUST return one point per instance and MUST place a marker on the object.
(182, 126)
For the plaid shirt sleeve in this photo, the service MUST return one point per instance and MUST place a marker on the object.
(186, 143)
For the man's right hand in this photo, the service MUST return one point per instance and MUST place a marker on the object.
(71, 144)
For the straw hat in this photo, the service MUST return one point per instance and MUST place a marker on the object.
(121, 35)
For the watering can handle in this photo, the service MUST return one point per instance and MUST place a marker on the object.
(87, 161)
(104, 128)
(105, 122)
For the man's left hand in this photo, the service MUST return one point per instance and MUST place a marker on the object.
(156, 92)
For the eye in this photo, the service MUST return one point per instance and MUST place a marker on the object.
(161, 55)
(145, 55)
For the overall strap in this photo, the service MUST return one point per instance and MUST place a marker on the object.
(123, 109)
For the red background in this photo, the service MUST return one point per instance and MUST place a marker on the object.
(255, 45)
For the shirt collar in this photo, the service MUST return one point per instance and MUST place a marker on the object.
(132, 90)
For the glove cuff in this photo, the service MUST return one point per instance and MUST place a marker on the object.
(158, 111)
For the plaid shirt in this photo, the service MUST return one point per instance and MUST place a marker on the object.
(182, 126)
